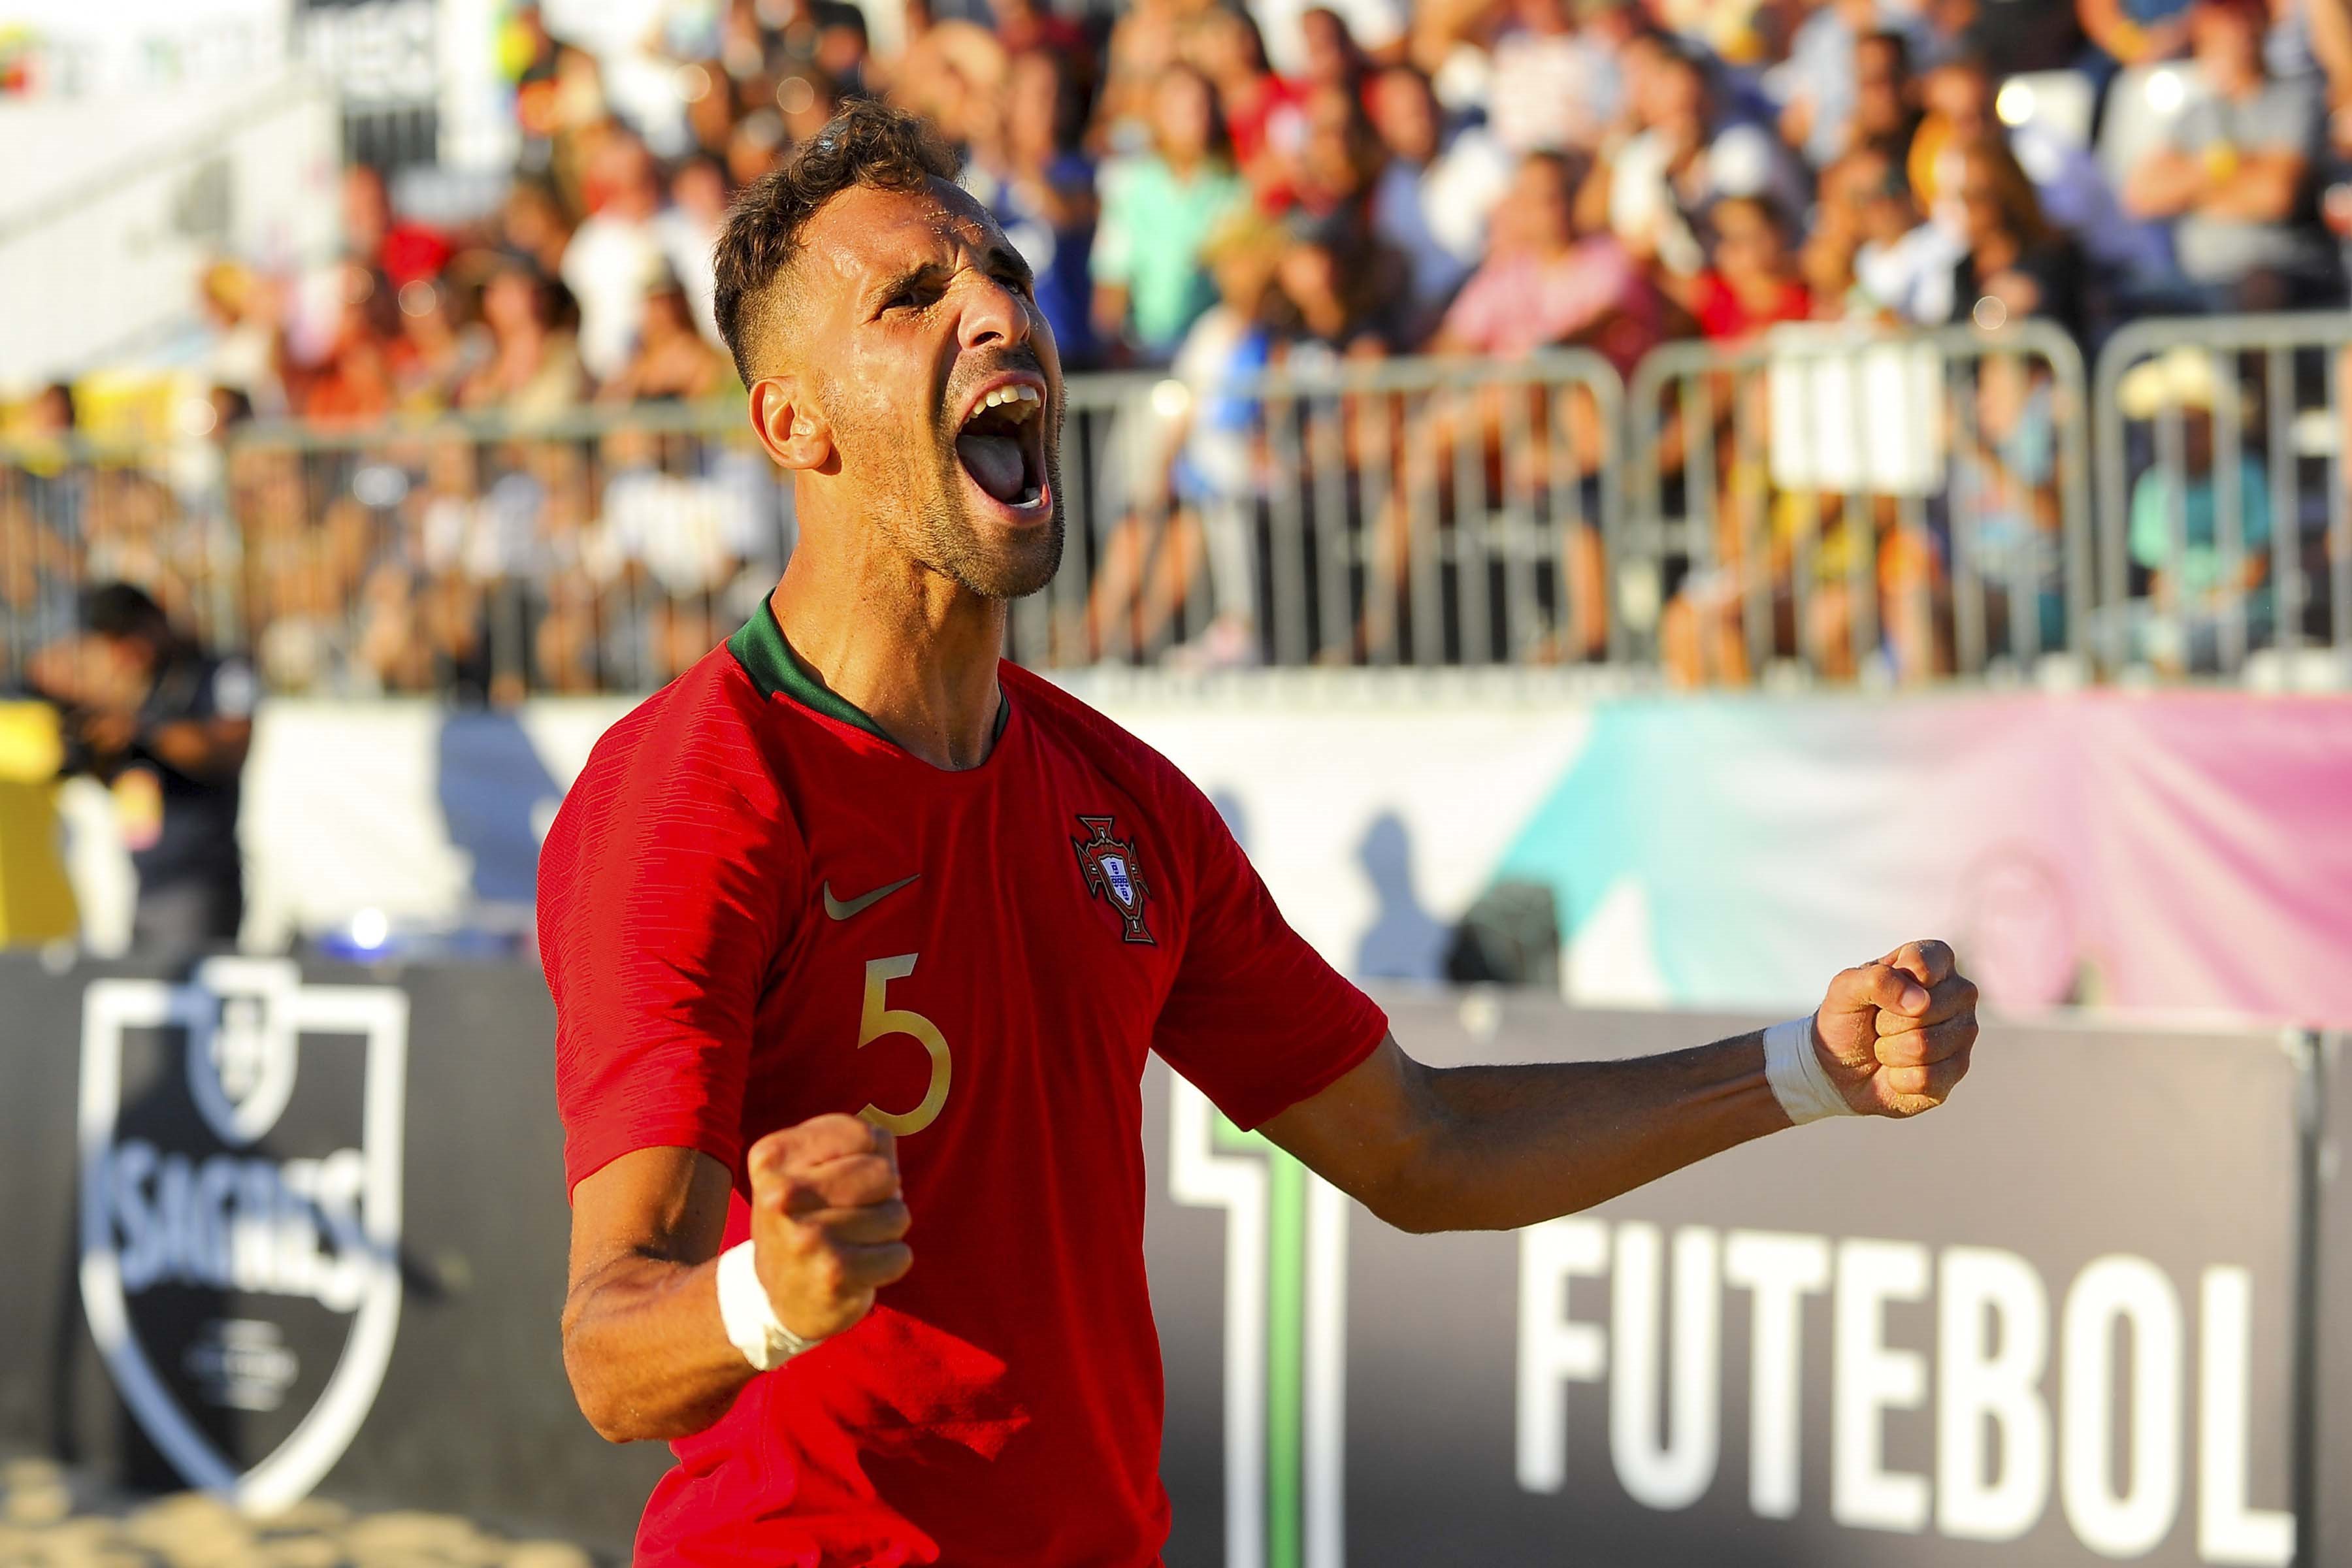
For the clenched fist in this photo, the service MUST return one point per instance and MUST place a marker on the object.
(1895, 1035)
(826, 1221)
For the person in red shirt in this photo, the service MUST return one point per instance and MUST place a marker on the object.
(859, 936)
(1751, 282)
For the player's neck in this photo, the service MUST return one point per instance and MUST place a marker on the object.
(912, 652)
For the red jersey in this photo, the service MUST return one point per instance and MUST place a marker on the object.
(754, 908)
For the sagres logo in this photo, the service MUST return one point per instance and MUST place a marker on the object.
(1285, 1336)
(240, 1145)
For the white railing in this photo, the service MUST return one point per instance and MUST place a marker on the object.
(1813, 506)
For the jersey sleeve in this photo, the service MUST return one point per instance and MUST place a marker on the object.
(1255, 1018)
(659, 918)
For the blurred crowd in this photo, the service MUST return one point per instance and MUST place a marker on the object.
(1219, 189)
(1478, 176)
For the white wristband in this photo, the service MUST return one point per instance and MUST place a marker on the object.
(752, 1326)
(1794, 1070)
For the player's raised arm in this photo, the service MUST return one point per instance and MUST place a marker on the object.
(1491, 1148)
(661, 1330)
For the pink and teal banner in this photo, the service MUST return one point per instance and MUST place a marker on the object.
(2182, 850)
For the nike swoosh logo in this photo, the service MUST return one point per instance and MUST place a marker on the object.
(859, 905)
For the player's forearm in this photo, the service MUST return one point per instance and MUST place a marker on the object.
(1509, 1146)
(647, 1351)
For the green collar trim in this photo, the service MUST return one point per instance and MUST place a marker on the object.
(761, 649)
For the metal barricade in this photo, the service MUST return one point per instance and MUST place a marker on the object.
(1417, 512)
(1829, 504)
(74, 511)
(1849, 504)
(2225, 533)
(490, 559)
(480, 560)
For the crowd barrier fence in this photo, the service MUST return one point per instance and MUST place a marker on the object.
(1421, 512)
(1839, 499)
(2224, 528)
(1818, 505)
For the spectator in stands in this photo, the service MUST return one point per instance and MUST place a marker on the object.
(2073, 189)
(1886, 95)
(616, 253)
(1434, 195)
(1657, 184)
(1337, 162)
(564, 644)
(1750, 282)
(1554, 85)
(954, 75)
(1041, 186)
(1348, 33)
(238, 308)
(1333, 58)
(531, 370)
(1157, 207)
(1262, 110)
(44, 499)
(1905, 266)
(532, 227)
(2010, 537)
(2233, 173)
(1025, 26)
(1542, 284)
(2016, 264)
(1337, 293)
(688, 232)
(351, 384)
(1197, 470)
(1827, 257)
(1822, 83)
(430, 356)
(672, 362)
(754, 145)
(399, 250)
(2199, 581)
(167, 728)
(1149, 36)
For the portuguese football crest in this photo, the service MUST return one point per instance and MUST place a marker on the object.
(1113, 875)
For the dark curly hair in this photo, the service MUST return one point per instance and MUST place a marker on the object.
(868, 144)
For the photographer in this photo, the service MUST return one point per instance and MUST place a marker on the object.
(167, 729)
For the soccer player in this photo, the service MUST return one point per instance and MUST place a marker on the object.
(858, 937)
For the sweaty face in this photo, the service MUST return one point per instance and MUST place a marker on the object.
(940, 378)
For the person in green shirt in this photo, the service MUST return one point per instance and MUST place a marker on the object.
(1157, 208)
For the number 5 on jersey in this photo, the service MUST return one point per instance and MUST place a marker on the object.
(879, 1019)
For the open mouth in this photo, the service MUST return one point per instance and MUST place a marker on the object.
(1001, 445)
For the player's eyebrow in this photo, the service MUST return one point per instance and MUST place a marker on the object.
(1001, 257)
(892, 284)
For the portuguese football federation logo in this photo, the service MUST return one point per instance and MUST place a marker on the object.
(1113, 875)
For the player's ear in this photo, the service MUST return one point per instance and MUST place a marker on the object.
(790, 425)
